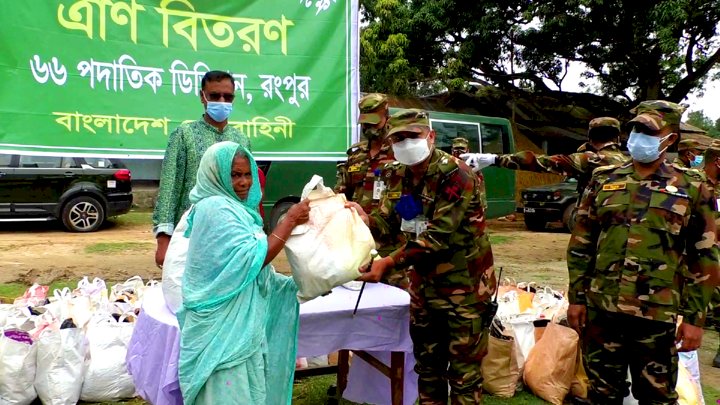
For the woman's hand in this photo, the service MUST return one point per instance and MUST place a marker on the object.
(359, 210)
(299, 213)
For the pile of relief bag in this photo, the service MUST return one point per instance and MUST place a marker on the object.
(69, 345)
(531, 345)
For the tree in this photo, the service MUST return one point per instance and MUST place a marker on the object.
(702, 121)
(635, 49)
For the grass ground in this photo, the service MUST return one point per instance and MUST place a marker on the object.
(116, 247)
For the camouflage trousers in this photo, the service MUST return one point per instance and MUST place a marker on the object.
(612, 342)
(449, 344)
(715, 308)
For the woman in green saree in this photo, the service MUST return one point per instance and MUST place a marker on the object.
(239, 318)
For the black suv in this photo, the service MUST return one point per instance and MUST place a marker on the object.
(550, 203)
(81, 192)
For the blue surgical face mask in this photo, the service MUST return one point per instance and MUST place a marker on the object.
(697, 161)
(645, 148)
(218, 110)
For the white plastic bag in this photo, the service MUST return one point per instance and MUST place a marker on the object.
(33, 297)
(106, 378)
(691, 362)
(18, 317)
(524, 330)
(126, 296)
(96, 290)
(174, 265)
(17, 371)
(60, 366)
(5, 310)
(328, 250)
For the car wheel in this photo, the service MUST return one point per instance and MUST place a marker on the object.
(278, 213)
(569, 217)
(534, 223)
(83, 214)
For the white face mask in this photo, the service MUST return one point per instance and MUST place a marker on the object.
(645, 148)
(411, 151)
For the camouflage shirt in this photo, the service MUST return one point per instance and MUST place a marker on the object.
(579, 165)
(627, 251)
(449, 244)
(679, 162)
(356, 177)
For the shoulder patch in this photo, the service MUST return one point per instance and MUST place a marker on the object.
(394, 165)
(604, 169)
(356, 146)
(694, 173)
(448, 164)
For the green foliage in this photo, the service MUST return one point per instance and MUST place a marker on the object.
(702, 121)
(635, 49)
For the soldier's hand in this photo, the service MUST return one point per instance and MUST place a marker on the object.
(379, 267)
(478, 161)
(577, 316)
(355, 206)
(689, 337)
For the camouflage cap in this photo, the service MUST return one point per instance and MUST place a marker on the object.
(604, 122)
(712, 152)
(411, 120)
(460, 142)
(372, 108)
(689, 144)
(657, 114)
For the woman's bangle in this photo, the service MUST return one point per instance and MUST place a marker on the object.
(273, 234)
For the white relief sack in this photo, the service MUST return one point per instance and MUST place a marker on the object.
(329, 249)
(174, 265)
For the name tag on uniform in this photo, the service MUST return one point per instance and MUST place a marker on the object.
(614, 186)
(416, 225)
(353, 168)
(394, 195)
(378, 188)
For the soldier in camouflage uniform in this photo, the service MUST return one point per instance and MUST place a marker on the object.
(712, 170)
(433, 199)
(642, 253)
(602, 149)
(460, 146)
(357, 177)
(689, 154)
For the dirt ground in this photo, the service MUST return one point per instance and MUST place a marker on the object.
(42, 252)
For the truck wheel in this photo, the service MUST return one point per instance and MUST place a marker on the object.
(83, 214)
(278, 213)
(535, 224)
(569, 217)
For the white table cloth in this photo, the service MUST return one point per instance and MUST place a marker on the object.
(380, 326)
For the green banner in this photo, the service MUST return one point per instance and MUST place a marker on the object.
(115, 77)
